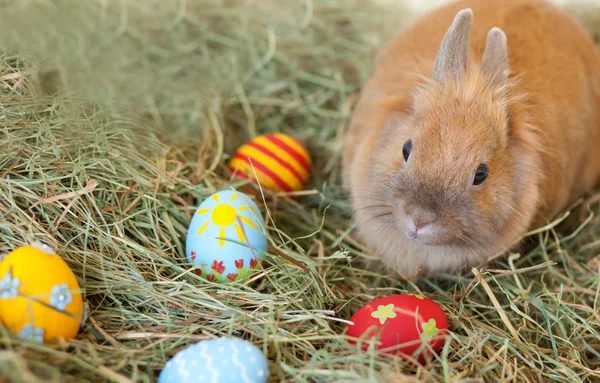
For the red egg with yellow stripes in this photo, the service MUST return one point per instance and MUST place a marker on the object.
(277, 161)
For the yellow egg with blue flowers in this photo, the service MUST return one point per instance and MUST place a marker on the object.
(226, 238)
(40, 298)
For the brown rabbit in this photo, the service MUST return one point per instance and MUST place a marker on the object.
(465, 138)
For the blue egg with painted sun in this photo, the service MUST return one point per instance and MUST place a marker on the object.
(226, 238)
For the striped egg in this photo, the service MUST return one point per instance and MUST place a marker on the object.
(220, 360)
(277, 161)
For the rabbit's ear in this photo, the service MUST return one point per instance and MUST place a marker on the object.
(453, 57)
(495, 57)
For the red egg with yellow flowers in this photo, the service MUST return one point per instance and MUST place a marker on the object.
(277, 161)
(403, 324)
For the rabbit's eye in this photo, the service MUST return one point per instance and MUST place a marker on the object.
(406, 149)
(481, 174)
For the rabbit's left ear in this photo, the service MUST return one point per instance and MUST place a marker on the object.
(453, 57)
(495, 57)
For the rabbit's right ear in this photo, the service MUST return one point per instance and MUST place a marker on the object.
(495, 57)
(453, 57)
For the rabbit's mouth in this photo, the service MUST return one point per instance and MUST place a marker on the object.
(426, 235)
(433, 234)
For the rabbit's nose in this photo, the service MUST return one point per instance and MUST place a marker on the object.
(420, 220)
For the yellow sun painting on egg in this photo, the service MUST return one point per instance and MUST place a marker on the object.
(226, 237)
(225, 215)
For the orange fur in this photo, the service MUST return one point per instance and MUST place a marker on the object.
(539, 134)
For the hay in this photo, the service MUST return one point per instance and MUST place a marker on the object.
(116, 121)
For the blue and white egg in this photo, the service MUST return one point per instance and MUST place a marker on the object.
(222, 360)
(226, 237)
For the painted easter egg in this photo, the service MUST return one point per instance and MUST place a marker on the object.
(226, 239)
(403, 323)
(278, 162)
(222, 360)
(39, 295)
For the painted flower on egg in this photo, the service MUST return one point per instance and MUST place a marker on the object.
(225, 237)
(430, 330)
(9, 287)
(31, 333)
(60, 296)
(384, 312)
